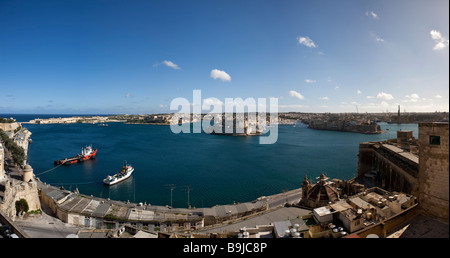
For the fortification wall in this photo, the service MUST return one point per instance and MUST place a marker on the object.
(434, 170)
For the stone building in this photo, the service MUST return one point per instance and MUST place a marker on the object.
(9, 126)
(414, 166)
(12, 190)
(434, 170)
(320, 194)
(395, 167)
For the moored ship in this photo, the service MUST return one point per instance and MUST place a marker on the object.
(124, 173)
(86, 154)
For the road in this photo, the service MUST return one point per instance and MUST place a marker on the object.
(45, 226)
(290, 197)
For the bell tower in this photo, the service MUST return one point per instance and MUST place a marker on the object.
(306, 186)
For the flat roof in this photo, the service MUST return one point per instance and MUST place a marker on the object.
(340, 206)
(322, 211)
(280, 227)
(101, 210)
(405, 154)
(361, 203)
(143, 215)
(56, 194)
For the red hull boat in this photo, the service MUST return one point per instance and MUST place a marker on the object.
(86, 153)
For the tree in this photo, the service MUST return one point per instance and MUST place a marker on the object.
(21, 206)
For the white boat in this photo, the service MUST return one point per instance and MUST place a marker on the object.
(124, 173)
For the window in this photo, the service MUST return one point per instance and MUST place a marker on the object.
(435, 140)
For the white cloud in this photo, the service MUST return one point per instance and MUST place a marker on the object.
(438, 96)
(372, 14)
(337, 87)
(293, 93)
(441, 42)
(324, 98)
(128, 95)
(306, 41)
(384, 96)
(384, 104)
(310, 81)
(171, 64)
(358, 92)
(207, 103)
(221, 75)
(376, 37)
(413, 97)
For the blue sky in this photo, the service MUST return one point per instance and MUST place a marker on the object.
(103, 57)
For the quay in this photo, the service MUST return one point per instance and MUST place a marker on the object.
(97, 213)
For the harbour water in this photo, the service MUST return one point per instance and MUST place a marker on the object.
(217, 169)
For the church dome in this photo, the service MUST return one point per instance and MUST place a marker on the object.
(321, 193)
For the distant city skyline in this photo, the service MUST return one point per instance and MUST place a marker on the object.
(135, 57)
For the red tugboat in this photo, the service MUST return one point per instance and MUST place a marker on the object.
(86, 153)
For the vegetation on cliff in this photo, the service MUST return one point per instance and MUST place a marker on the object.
(17, 152)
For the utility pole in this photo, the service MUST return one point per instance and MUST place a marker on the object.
(188, 190)
(172, 186)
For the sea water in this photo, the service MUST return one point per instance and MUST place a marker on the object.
(216, 169)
